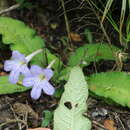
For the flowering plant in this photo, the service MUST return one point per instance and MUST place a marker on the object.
(34, 77)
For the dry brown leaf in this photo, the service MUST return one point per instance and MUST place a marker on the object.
(109, 124)
(75, 37)
(39, 129)
(3, 73)
(23, 109)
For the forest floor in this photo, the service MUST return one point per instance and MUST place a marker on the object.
(51, 27)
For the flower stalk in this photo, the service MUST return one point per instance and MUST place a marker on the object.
(29, 57)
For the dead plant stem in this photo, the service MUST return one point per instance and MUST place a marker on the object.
(9, 9)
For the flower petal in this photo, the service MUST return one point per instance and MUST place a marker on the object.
(47, 87)
(18, 56)
(48, 73)
(28, 81)
(14, 76)
(25, 70)
(36, 70)
(9, 65)
(36, 92)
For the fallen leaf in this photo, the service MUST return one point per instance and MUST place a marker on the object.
(23, 109)
(3, 73)
(109, 124)
(75, 37)
(39, 129)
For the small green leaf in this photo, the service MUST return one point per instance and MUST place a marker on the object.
(69, 114)
(8, 88)
(47, 118)
(64, 74)
(58, 92)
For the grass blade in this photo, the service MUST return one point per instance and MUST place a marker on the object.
(109, 3)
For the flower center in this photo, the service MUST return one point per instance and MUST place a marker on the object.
(22, 62)
(41, 76)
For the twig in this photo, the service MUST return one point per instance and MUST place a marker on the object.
(98, 124)
(14, 121)
(19, 124)
(9, 9)
(17, 118)
(118, 119)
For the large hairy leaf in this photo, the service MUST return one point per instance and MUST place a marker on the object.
(111, 85)
(92, 53)
(24, 39)
(8, 88)
(20, 37)
(69, 114)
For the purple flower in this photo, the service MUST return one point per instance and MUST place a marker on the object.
(17, 65)
(39, 80)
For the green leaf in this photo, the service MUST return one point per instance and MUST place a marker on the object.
(21, 38)
(64, 74)
(24, 39)
(111, 85)
(58, 92)
(8, 88)
(69, 114)
(92, 53)
(47, 119)
(77, 57)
